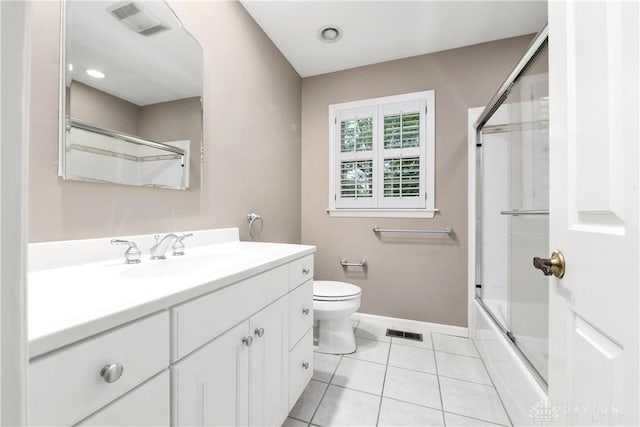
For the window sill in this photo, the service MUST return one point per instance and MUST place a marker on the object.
(382, 213)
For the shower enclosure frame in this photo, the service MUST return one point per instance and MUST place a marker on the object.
(475, 197)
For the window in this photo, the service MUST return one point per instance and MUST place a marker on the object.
(382, 157)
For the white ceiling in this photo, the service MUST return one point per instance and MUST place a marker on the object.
(378, 31)
(142, 70)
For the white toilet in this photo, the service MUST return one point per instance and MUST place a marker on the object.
(333, 304)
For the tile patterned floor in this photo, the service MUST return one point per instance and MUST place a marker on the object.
(396, 382)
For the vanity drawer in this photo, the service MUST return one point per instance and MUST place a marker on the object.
(197, 322)
(66, 386)
(300, 271)
(146, 405)
(300, 367)
(300, 312)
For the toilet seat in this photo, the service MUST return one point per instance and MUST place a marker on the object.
(328, 290)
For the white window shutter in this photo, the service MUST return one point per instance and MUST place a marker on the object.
(382, 156)
(403, 155)
(355, 171)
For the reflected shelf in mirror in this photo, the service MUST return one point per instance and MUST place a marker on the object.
(127, 138)
(102, 155)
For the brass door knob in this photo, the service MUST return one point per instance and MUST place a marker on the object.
(554, 265)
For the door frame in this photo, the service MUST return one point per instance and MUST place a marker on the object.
(14, 125)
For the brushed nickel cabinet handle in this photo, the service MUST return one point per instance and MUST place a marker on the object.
(112, 373)
(305, 311)
(306, 270)
(305, 365)
(259, 332)
(247, 341)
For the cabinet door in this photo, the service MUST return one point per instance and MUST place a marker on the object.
(269, 365)
(211, 386)
(147, 405)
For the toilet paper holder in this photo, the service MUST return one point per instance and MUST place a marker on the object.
(362, 263)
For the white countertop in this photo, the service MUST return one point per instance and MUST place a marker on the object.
(73, 302)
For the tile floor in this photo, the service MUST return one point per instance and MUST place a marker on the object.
(395, 382)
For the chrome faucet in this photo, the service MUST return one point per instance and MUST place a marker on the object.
(178, 246)
(132, 254)
(159, 250)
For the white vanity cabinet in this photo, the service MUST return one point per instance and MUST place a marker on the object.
(146, 405)
(242, 376)
(269, 377)
(69, 384)
(211, 386)
(300, 340)
(230, 350)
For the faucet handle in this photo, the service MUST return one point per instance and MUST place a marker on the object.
(178, 247)
(132, 254)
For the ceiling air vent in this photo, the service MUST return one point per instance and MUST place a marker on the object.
(133, 16)
(123, 11)
(153, 30)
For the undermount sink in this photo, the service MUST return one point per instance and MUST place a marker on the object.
(174, 266)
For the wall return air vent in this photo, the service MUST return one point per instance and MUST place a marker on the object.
(133, 16)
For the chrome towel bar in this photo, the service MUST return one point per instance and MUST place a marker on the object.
(447, 230)
(345, 263)
(517, 212)
(123, 136)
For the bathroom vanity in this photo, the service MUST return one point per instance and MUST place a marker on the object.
(219, 336)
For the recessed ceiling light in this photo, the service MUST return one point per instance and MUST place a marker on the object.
(95, 73)
(330, 33)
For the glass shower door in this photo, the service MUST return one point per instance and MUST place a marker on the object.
(514, 214)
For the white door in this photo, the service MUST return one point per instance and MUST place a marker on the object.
(211, 386)
(594, 159)
(269, 365)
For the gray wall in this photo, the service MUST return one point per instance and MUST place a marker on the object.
(421, 277)
(251, 140)
(102, 109)
(174, 121)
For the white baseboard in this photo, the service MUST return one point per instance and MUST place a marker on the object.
(412, 324)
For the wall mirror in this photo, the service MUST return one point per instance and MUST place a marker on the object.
(131, 98)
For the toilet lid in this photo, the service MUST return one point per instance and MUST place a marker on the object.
(329, 289)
